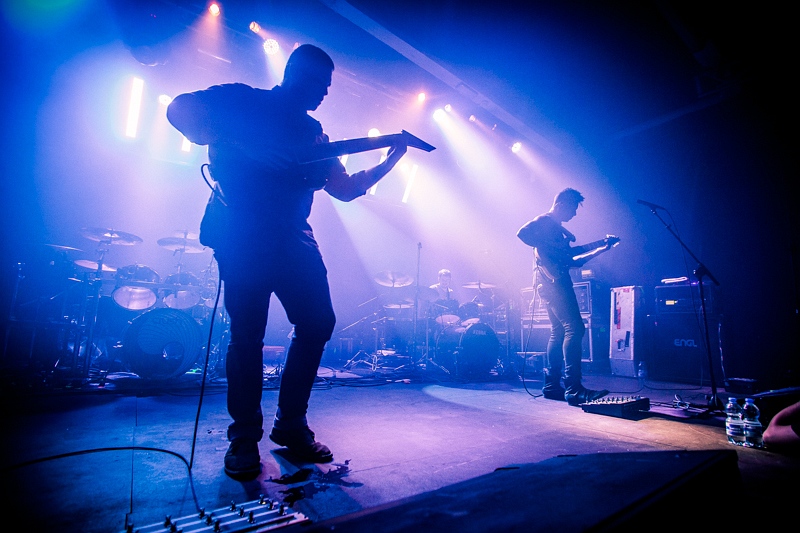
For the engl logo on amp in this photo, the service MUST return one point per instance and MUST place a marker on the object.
(685, 342)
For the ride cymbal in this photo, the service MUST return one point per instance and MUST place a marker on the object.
(188, 246)
(478, 285)
(387, 278)
(110, 236)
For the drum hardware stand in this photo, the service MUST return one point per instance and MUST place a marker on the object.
(361, 355)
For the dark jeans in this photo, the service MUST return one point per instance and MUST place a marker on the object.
(297, 276)
(566, 331)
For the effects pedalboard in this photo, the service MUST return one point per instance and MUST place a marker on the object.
(256, 515)
(632, 407)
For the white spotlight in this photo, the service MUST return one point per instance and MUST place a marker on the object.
(516, 147)
(214, 9)
(448, 108)
(421, 97)
(164, 99)
(472, 118)
(271, 47)
(255, 27)
(134, 106)
(438, 115)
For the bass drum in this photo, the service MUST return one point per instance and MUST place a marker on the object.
(162, 343)
(474, 355)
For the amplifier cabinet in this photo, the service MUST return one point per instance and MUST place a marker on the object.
(678, 349)
(626, 324)
(536, 333)
(591, 300)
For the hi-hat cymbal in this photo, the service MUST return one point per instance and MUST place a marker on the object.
(478, 285)
(93, 265)
(189, 246)
(110, 236)
(388, 278)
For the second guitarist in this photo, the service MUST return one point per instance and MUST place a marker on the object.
(555, 256)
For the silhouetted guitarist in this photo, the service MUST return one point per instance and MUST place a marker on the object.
(554, 257)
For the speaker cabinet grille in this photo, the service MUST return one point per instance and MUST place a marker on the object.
(678, 349)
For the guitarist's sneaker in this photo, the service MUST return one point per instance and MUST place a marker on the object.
(584, 395)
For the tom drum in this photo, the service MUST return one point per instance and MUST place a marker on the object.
(136, 287)
(470, 352)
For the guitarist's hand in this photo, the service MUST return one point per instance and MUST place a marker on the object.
(396, 152)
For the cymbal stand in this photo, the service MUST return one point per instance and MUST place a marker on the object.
(89, 316)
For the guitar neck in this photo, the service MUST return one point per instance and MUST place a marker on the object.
(588, 247)
(330, 150)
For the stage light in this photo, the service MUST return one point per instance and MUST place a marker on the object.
(255, 27)
(373, 132)
(271, 47)
(448, 108)
(438, 115)
(186, 145)
(472, 118)
(421, 97)
(410, 183)
(516, 147)
(134, 106)
(164, 99)
(214, 9)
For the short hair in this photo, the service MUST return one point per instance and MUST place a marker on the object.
(444, 272)
(305, 57)
(569, 195)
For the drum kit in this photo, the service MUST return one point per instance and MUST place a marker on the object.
(163, 337)
(459, 340)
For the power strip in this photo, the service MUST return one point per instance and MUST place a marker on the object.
(632, 407)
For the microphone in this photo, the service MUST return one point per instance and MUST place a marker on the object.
(651, 205)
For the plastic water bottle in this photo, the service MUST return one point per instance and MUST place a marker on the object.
(753, 429)
(734, 424)
(641, 373)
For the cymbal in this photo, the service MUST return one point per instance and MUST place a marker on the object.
(110, 236)
(186, 234)
(189, 246)
(59, 248)
(478, 285)
(387, 278)
(92, 265)
(409, 292)
(398, 306)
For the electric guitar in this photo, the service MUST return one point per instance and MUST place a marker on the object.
(556, 265)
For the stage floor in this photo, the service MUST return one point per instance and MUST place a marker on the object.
(104, 455)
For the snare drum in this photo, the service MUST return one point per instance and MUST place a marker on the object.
(136, 287)
(182, 291)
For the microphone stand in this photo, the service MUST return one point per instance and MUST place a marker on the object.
(715, 404)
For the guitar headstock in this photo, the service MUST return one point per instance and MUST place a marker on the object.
(611, 240)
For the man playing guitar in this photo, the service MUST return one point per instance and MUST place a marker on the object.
(554, 258)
